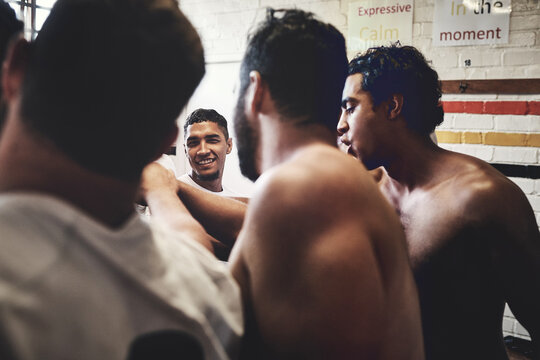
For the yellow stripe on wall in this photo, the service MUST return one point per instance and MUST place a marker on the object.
(488, 138)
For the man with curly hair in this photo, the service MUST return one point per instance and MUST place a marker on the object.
(473, 241)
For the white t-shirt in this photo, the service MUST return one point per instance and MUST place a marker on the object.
(72, 288)
(225, 192)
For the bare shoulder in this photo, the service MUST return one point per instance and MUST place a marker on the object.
(476, 196)
(315, 183)
(482, 190)
(314, 205)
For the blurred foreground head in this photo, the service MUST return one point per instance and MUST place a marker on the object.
(107, 80)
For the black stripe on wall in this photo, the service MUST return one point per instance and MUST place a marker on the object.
(172, 151)
(522, 171)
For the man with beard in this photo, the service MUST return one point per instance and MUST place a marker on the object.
(321, 256)
(206, 145)
(471, 233)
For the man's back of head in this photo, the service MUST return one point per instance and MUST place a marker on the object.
(107, 79)
(303, 61)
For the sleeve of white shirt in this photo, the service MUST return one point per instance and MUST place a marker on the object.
(167, 163)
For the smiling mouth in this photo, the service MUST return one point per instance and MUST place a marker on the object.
(205, 161)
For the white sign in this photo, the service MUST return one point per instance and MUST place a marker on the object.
(379, 22)
(471, 22)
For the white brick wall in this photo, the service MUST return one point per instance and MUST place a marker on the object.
(224, 24)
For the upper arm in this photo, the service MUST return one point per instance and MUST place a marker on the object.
(514, 233)
(221, 217)
(313, 280)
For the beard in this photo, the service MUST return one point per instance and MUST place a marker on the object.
(207, 177)
(246, 141)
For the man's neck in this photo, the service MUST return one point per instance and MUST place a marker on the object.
(30, 163)
(282, 139)
(210, 185)
(411, 161)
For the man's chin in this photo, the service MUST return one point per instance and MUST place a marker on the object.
(207, 177)
(369, 165)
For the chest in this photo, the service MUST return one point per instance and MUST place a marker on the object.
(431, 228)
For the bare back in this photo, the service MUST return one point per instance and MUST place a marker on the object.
(322, 264)
(473, 244)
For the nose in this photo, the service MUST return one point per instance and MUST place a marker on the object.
(342, 126)
(203, 148)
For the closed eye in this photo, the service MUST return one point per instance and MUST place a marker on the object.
(348, 105)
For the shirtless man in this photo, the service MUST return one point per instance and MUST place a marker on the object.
(321, 258)
(472, 238)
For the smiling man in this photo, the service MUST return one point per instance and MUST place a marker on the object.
(206, 145)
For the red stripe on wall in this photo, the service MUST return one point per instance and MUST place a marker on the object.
(473, 107)
(453, 106)
(534, 107)
(493, 107)
(506, 107)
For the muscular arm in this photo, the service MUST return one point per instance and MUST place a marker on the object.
(307, 268)
(158, 187)
(221, 217)
(517, 257)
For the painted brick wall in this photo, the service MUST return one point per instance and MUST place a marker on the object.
(510, 136)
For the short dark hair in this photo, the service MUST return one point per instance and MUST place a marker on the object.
(397, 69)
(107, 80)
(304, 63)
(202, 115)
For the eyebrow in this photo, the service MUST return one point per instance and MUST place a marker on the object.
(210, 136)
(347, 100)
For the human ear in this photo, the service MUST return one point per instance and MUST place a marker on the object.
(395, 105)
(14, 68)
(229, 145)
(255, 91)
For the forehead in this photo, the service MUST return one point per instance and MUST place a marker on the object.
(203, 129)
(353, 86)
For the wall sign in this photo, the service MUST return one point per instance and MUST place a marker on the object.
(379, 22)
(471, 22)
